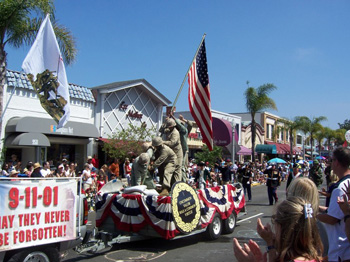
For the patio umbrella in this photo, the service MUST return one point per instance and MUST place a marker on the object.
(277, 160)
(320, 158)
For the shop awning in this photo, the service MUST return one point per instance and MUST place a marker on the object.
(297, 150)
(314, 153)
(27, 139)
(266, 149)
(48, 126)
(283, 149)
(244, 151)
(222, 132)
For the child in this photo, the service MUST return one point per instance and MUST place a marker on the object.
(296, 236)
(100, 182)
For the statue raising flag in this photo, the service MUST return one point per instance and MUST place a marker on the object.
(45, 69)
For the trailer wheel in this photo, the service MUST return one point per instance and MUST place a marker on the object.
(230, 223)
(215, 227)
(48, 254)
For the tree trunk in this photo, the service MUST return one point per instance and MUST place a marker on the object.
(253, 139)
(291, 140)
(312, 147)
(2, 82)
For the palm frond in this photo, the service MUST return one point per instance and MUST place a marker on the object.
(66, 42)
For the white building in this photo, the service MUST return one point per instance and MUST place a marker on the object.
(133, 102)
(29, 131)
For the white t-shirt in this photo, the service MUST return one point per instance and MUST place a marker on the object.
(339, 245)
(45, 172)
(87, 174)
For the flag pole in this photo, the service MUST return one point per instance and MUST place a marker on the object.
(189, 68)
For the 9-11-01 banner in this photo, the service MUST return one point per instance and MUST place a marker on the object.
(35, 213)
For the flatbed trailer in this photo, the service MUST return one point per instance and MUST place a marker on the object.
(127, 217)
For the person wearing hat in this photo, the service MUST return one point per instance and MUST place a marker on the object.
(60, 171)
(173, 141)
(24, 173)
(273, 181)
(316, 173)
(202, 176)
(295, 174)
(89, 162)
(14, 173)
(36, 170)
(164, 156)
(247, 181)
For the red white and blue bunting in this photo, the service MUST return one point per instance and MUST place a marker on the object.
(133, 212)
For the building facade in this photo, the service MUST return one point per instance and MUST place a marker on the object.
(275, 135)
(222, 123)
(29, 132)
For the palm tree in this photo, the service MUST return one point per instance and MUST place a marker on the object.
(310, 127)
(319, 136)
(340, 136)
(329, 135)
(290, 126)
(18, 28)
(257, 99)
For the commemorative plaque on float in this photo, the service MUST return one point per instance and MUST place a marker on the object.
(186, 207)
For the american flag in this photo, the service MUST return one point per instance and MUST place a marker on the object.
(199, 96)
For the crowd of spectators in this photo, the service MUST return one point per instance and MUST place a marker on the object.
(226, 171)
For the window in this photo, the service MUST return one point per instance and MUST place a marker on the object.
(299, 139)
(282, 134)
(269, 130)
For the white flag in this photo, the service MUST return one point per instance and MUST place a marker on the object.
(45, 69)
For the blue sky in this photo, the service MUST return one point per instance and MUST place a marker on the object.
(302, 47)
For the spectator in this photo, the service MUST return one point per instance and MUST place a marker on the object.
(87, 178)
(36, 170)
(14, 173)
(202, 176)
(100, 182)
(332, 183)
(225, 172)
(339, 247)
(29, 168)
(296, 236)
(18, 166)
(114, 168)
(303, 187)
(89, 162)
(5, 170)
(95, 161)
(344, 205)
(46, 171)
(60, 171)
(127, 170)
(71, 171)
(104, 172)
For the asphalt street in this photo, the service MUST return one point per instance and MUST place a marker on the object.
(192, 248)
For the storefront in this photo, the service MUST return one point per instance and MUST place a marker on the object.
(37, 140)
